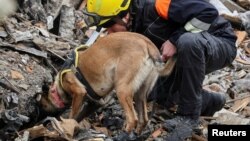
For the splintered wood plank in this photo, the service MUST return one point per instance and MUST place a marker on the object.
(230, 118)
(232, 6)
(246, 111)
(157, 133)
(198, 138)
(240, 104)
(244, 3)
(103, 130)
(241, 36)
(242, 60)
(234, 20)
(83, 5)
(25, 49)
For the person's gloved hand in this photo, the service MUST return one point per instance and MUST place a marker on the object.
(168, 50)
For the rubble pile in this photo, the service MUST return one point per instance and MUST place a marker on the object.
(37, 39)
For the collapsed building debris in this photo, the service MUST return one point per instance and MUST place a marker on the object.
(36, 40)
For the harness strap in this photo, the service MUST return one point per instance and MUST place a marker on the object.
(90, 91)
(71, 65)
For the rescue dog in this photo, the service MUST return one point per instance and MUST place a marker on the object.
(126, 62)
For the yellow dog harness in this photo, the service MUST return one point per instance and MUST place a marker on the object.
(71, 64)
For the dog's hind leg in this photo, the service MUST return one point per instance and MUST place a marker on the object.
(141, 100)
(128, 81)
(125, 97)
(141, 109)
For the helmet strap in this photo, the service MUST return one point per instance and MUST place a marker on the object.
(120, 21)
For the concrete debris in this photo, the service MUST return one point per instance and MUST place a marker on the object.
(37, 38)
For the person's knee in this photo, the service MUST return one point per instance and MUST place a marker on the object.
(189, 50)
(188, 43)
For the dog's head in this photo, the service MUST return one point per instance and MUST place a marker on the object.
(49, 101)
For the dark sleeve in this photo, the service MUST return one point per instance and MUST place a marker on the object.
(192, 16)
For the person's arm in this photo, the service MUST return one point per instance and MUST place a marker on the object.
(192, 15)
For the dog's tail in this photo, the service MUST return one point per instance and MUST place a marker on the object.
(7, 7)
(163, 68)
(166, 68)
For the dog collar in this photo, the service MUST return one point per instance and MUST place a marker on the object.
(56, 98)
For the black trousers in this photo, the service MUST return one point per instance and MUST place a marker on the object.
(197, 55)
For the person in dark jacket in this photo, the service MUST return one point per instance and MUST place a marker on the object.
(191, 29)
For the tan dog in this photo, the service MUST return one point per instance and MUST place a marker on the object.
(128, 63)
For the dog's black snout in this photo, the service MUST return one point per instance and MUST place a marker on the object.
(45, 88)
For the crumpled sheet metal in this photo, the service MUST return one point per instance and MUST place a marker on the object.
(65, 129)
(54, 129)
